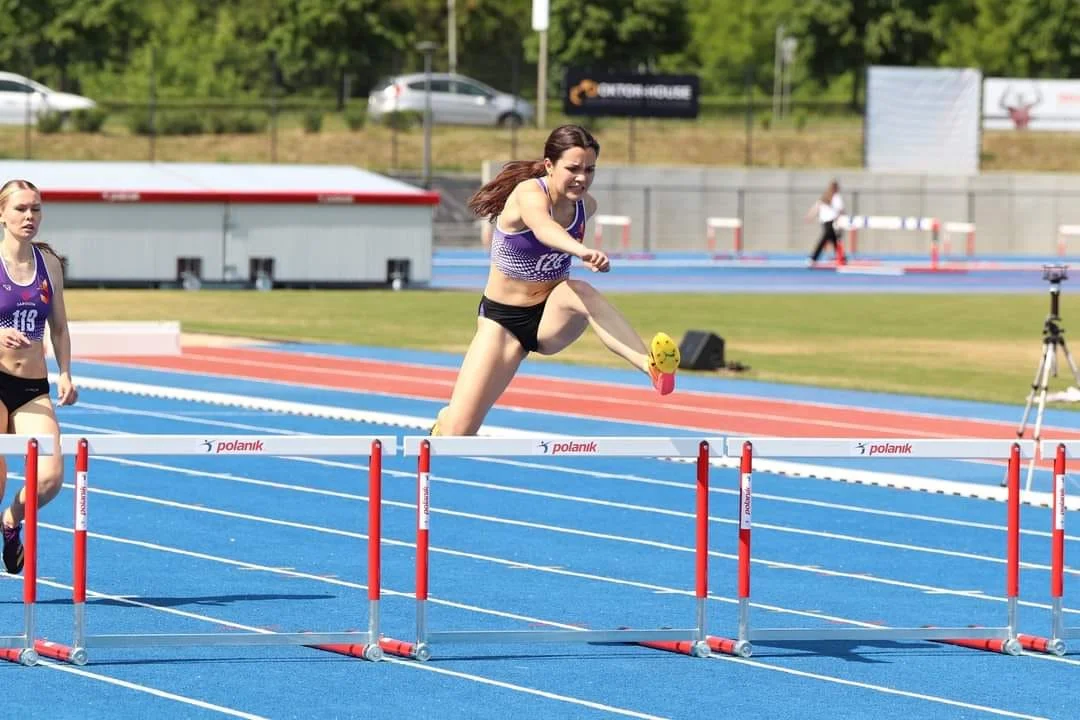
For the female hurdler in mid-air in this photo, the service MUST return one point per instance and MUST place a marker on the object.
(538, 211)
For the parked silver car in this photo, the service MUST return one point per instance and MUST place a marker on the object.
(22, 99)
(455, 100)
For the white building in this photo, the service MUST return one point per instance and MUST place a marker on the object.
(153, 224)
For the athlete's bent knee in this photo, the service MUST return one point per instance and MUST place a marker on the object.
(581, 288)
(50, 477)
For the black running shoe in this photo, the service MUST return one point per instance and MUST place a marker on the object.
(13, 549)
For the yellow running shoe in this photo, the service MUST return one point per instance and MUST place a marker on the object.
(435, 428)
(663, 362)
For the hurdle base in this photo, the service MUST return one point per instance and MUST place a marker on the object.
(1008, 646)
(727, 646)
(1034, 643)
(404, 649)
(693, 648)
(58, 651)
(22, 656)
(984, 639)
(372, 653)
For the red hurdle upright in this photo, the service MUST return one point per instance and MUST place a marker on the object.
(1059, 632)
(996, 639)
(354, 643)
(20, 648)
(687, 640)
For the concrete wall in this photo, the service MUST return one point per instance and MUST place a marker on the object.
(1013, 213)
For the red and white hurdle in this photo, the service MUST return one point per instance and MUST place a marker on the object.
(365, 645)
(995, 639)
(1059, 631)
(602, 221)
(1065, 232)
(853, 223)
(950, 228)
(724, 223)
(20, 648)
(689, 640)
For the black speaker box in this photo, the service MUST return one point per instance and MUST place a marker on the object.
(701, 350)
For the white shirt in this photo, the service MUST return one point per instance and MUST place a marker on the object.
(831, 211)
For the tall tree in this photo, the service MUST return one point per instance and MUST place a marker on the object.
(845, 36)
(731, 37)
(1038, 38)
(626, 35)
(60, 41)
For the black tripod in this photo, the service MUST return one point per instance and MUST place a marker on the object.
(1053, 338)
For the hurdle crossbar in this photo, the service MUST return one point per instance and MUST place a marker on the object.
(20, 648)
(996, 639)
(1059, 632)
(728, 223)
(365, 645)
(687, 640)
(623, 221)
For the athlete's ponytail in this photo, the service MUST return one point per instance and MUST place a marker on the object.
(489, 200)
(46, 247)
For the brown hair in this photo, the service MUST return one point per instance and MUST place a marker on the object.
(489, 200)
(10, 188)
(827, 196)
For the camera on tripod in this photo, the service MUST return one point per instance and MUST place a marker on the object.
(1053, 340)
(1055, 273)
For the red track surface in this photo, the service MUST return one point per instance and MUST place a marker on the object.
(693, 410)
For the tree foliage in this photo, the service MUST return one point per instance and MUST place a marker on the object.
(235, 48)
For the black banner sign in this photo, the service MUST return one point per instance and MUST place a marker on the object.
(630, 94)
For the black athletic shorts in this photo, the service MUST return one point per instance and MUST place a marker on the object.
(522, 322)
(16, 391)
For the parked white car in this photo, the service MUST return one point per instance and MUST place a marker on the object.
(21, 98)
(455, 100)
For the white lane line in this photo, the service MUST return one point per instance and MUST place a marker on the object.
(72, 670)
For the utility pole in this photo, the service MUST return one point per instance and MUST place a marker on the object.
(540, 16)
(451, 34)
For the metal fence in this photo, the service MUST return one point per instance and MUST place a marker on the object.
(668, 209)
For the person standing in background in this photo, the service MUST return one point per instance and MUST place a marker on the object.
(828, 208)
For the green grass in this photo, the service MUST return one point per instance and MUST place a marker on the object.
(977, 347)
(825, 142)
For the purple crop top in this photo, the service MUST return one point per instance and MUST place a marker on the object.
(26, 307)
(521, 256)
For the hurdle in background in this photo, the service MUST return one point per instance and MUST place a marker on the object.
(854, 223)
(623, 221)
(20, 648)
(729, 223)
(1065, 231)
(995, 639)
(689, 641)
(950, 228)
(357, 644)
(1059, 633)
